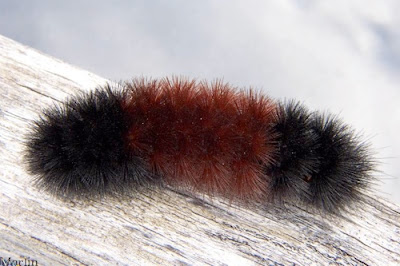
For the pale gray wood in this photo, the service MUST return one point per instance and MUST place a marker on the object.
(158, 226)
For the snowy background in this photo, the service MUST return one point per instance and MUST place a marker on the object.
(338, 56)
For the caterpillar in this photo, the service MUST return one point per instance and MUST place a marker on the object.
(208, 137)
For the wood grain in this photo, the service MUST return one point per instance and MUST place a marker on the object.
(158, 226)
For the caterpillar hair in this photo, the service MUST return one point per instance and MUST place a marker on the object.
(200, 136)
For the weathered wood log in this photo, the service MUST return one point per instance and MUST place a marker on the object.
(158, 226)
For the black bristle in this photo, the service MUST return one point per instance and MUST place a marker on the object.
(78, 149)
(320, 160)
(296, 157)
(345, 164)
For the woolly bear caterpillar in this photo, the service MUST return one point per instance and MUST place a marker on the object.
(207, 137)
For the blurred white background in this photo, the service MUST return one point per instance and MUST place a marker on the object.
(338, 56)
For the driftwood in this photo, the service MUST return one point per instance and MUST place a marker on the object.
(158, 226)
